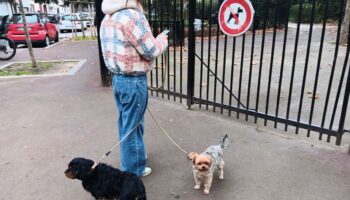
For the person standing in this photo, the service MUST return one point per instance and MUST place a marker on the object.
(129, 48)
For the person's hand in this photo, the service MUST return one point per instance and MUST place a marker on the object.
(163, 36)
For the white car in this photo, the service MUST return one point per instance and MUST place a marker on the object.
(89, 17)
(71, 21)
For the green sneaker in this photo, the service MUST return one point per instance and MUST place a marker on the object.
(147, 171)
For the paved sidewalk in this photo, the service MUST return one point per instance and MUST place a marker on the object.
(45, 122)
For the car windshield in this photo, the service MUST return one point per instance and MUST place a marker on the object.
(30, 18)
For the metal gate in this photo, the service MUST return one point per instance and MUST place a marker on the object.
(284, 72)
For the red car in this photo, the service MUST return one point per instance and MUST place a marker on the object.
(41, 30)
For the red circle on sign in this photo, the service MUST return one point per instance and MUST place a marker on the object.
(249, 10)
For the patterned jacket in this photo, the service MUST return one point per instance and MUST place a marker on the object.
(127, 41)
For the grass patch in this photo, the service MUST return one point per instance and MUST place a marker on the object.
(20, 69)
(81, 38)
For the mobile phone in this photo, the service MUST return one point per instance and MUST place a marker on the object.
(166, 32)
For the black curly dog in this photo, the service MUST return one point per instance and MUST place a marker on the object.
(106, 182)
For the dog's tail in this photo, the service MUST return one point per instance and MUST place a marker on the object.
(224, 141)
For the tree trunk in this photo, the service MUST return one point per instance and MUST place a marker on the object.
(13, 6)
(29, 42)
(345, 25)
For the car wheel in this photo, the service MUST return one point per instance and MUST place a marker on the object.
(56, 38)
(46, 41)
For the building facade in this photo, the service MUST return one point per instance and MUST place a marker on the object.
(5, 8)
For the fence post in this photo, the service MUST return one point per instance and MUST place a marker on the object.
(191, 53)
(103, 68)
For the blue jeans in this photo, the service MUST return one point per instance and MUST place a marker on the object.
(131, 96)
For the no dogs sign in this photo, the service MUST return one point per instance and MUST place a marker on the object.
(235, 17)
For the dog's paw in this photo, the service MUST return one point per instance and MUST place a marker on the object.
(197, 187)
(206, 191)
(221, 177)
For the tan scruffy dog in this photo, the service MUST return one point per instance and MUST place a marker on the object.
(205, 164)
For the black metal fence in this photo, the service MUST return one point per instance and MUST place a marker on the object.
(283, 72)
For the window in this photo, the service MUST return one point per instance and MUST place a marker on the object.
(30, 18)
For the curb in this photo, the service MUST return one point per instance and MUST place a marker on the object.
(71, 72)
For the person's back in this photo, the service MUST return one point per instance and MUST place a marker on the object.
(128, 45)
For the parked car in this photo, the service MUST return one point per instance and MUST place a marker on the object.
(41, 31)
(88, 16)
(67, 22)
(4, 21)
(54, 18)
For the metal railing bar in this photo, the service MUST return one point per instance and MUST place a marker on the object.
(345, 101)
(241, 75)
(318, 64)
(340, 86)
(232, 70)
(174, 43)
(209, 49)
(150, 19)
(162, 57)
(344, 108)
(169, 93)
(306, 64)
(271, 63)
(168, 53)
(331, 78)
(269, 117)
(216, 61)
(223, 74)
(282, 62)
(294, 62)
(202, 52)
(261, 59)
(255, 4)
(181, 45)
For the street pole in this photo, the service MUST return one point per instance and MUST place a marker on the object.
(104, 71)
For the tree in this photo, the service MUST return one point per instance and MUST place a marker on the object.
(12, 3)
(29, 42)
(66, 2)
(40, 2)
(345, 24)
(46, 1)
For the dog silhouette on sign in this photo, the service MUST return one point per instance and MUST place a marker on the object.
(234, 15)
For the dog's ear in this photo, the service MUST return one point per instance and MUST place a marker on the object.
(194, 159)
(192, 156)
(210, 161)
